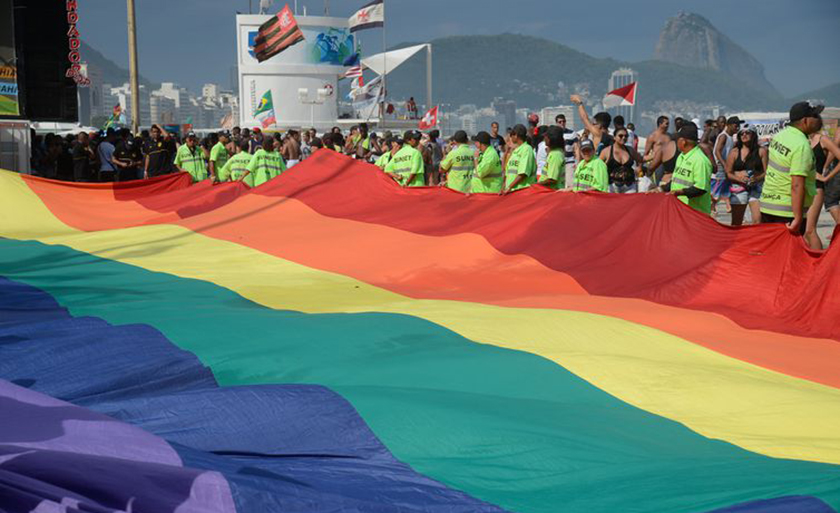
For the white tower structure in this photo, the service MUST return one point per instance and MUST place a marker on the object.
(313, 64)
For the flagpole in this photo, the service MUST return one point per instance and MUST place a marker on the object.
(132, 65)
(385, 67)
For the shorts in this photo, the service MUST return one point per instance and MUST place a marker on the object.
(720, 188)
(744, 197)
(832, 193)
(623, 189)
(658, 175)
(771, 219)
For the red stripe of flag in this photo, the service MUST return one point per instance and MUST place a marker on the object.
(278, 33)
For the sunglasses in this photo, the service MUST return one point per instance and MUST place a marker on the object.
(623, 136)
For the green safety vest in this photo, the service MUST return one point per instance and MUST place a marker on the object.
(235, 167)
(488, 175)
(790, 155)
(406, 162)
(555, 169)
(521, 162)
(265, 166)
(192, 163)
(219, 155)
(694, 169)
(383, 160)
(459, 165)
(591, 175)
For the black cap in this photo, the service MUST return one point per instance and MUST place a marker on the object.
(734, 120)
(482, 138)
(587, 144)
(805, 110)
(412, 135)
(460, 137)
(688, 131)
(191, 135)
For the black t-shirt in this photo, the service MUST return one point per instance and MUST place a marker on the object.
(81, 163)
(159, 157)
(498, 143)
(128, 152)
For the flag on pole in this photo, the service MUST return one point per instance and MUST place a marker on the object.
(370, 16)
(278, 33)
(430, 119)
(623, 96)
(367, 98)
(227, 122)
(354, 72)
(115, 116)
(265, 111)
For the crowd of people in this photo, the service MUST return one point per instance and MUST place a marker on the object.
(788, 180)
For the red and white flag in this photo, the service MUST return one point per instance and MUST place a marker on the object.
(623, 96)
(430, 119)
(354, 72)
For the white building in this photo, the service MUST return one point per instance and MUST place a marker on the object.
(294, 77)
(210, 92)
(162, 109)
(122, 95)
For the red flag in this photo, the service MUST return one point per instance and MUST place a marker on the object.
(620, 97)
(278, 33)
(429, 119)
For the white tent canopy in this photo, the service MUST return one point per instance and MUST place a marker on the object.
(392, 59)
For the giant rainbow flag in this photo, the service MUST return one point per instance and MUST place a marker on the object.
(332, 342)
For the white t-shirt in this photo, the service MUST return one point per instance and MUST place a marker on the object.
(542, 157)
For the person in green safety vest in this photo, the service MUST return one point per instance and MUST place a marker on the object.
(488, 176)
(406, 166)
(190, 159)
(591, 173)
(219, 154)
(267, 163)
(392, 145)
(522, 164)
(236, 168)
(459, 163)
(554, 172)
(691, 181)
(790, 182)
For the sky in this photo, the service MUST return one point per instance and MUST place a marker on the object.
(192, 42)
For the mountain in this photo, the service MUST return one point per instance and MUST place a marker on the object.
(111, 72)
(476, 69)
(829, 95)
(691, 40)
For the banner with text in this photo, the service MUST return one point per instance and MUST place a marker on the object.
(9, 104)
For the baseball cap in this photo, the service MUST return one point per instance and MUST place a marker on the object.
(225, 133)
(460, 137)
(191, 135)
(412, 135)
(587, 144)
(734, 120)
(256, 129)
(688, 131)
(802, 110)
(482, 137)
